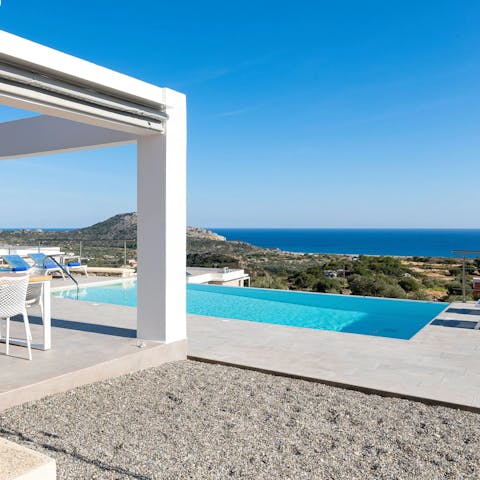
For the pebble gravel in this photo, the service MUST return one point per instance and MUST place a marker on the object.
(192, 420)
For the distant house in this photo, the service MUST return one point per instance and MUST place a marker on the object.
(476, 287)
(232, 277)
(334, 273)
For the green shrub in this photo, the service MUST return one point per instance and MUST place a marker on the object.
(419, 295)
(329, 285)
(212, 260)
(409, 284)
(267, 281)
(375, 286)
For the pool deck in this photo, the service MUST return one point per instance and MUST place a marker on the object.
(90, 342)
(439, 364)
(94, 341)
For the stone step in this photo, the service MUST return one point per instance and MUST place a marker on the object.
(21, 463)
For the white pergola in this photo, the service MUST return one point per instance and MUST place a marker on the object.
(84, 106)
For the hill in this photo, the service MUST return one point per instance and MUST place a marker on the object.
(121, 226)
(124, 226)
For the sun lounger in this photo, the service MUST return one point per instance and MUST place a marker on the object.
(16, 263)
(74, 264)
(46, 263)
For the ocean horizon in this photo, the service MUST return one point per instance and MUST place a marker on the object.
(405, 242)
(9, 229)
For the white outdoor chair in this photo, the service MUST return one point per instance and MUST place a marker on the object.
(34, 296)
(13, 293)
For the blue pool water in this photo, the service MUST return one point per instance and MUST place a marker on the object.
(364, 315)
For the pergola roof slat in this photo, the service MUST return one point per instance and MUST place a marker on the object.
(37, 78)
(39, 58)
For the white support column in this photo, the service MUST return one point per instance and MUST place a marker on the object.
(161, 311)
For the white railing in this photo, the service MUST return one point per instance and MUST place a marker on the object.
(205, 275)
(24, 250)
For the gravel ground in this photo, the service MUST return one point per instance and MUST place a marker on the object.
(190, 420)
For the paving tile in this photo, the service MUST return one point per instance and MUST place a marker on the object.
(418, 367)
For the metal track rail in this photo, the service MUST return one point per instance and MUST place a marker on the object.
(64, 270)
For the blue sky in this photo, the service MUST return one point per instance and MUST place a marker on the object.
(303, 114)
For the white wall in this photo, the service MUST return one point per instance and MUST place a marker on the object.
(161, 310)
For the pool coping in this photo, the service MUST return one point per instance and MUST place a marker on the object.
(89, 284)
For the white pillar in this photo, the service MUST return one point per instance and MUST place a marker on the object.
(161, 204)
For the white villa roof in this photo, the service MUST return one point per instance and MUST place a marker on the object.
(39, 58)
(40, 79)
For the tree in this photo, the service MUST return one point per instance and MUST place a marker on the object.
(328, 285)
(307, 279)
(409, 284)
(212, 260)
(375, 286)
(455, 288)
(375, 265)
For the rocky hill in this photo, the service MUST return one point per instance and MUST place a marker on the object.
(203, 233)
(124, 226)
(121, 226)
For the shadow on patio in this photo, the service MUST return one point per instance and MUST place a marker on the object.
(90, 342)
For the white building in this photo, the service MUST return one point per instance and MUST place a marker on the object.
(232, 277)
(25, 250)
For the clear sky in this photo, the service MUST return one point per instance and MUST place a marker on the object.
(301, 114)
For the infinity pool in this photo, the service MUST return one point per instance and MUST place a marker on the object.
(365, 315)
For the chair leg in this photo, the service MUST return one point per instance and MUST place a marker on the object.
(28, 334)
(7, 337)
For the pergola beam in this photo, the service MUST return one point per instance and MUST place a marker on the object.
(42, 135)
(39, 79)
(53, 63)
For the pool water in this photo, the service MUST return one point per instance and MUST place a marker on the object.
(365, 315)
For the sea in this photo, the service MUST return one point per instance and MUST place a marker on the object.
(360, 241)
(33, 229)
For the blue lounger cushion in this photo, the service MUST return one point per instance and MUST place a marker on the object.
(16, 263)
(74, 264)
(42, 261)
